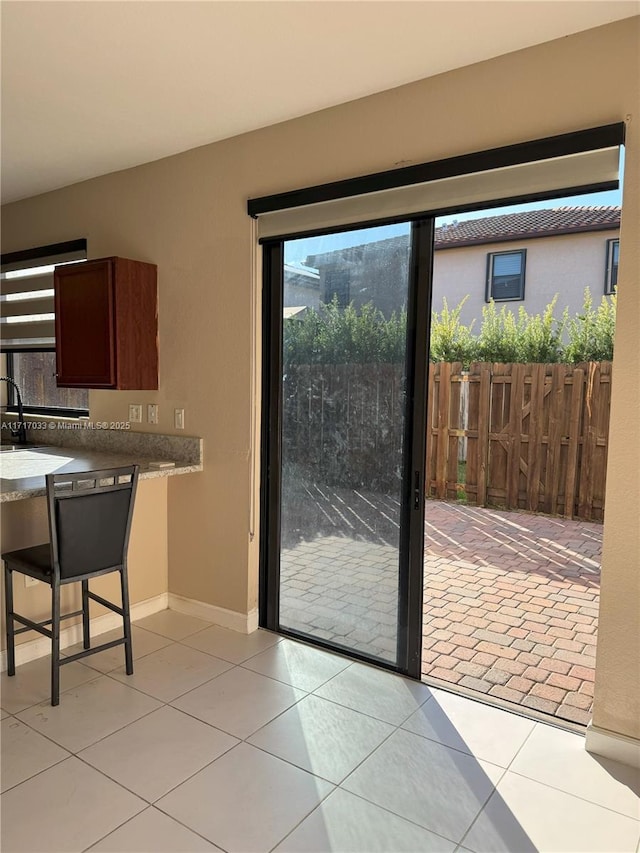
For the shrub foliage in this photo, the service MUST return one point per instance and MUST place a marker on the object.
(334, 335)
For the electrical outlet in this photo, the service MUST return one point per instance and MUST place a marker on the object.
(152, 413)
(178, 418)
(135, 413)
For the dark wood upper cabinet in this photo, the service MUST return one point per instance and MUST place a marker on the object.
(107, 325)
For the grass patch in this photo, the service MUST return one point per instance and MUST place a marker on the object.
(462, 479)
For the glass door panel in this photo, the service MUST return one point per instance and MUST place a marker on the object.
(344, 413)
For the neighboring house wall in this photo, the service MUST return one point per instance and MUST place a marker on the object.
(563, 265)
(300, 290)
(376, 272)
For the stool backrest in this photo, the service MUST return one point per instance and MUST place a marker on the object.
(90, 519)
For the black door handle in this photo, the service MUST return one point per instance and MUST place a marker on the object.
(416, 490)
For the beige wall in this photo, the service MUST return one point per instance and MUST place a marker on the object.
(188, 214)
(24, 523)
(561, 266)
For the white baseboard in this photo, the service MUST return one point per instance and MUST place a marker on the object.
(244, 623)
(618, 747)
(41, 646)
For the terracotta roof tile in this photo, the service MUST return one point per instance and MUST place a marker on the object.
(530, 223)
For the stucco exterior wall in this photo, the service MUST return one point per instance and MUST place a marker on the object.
(563, 265)
(188, 214)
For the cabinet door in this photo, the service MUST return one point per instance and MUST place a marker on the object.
(85, 325)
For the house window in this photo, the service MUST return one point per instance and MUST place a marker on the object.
(505, 276)
(34, 372)
(27, 329)
(611, 271)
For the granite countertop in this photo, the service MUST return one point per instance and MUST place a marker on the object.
(23, 471)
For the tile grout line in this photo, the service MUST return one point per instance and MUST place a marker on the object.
(495, 787)
(575, 796)
(304, 769)
(62, 691)
(522, 745)
(46, 737)
(385, 808)
(553, 787)
(38, 773)
(119, 826)
(180, 823)
(174, 698)
(72, 754)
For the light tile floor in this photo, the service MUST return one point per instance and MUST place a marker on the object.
(256, 743)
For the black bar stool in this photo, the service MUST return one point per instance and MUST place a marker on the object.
(89, 526)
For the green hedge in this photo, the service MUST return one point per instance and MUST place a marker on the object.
(335, 335)
(332, 335)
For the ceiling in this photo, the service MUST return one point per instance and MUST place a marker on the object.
(93, 87)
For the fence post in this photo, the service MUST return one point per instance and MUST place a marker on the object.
(484, 419)
(442, 455)
(554, 437)
(432, 442)
(515, 427)
(535, 436)
(589, 439)
(574, 442)
(464, 414)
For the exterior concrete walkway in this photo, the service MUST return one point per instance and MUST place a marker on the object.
(510, 599)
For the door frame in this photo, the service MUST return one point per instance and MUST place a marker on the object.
(411, 542)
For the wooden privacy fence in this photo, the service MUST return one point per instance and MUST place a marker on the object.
(536, 436)
(343, 423)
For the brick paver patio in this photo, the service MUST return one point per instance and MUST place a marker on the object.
(511, 606)
(510, 599)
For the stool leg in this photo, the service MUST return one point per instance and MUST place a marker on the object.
(55, 644)
(86, 637)
(128, 650)
(8, 603)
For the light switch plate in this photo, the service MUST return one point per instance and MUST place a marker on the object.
(152, 413)
(178, 418)
(135, 413)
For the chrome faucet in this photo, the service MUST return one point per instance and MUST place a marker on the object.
(19, 433)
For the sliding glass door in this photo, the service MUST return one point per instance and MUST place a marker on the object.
(347, 314)
(344, 384)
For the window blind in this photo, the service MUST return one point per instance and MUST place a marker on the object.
(571, 163)
(27, 318)
(510, 264)
(574, 172)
